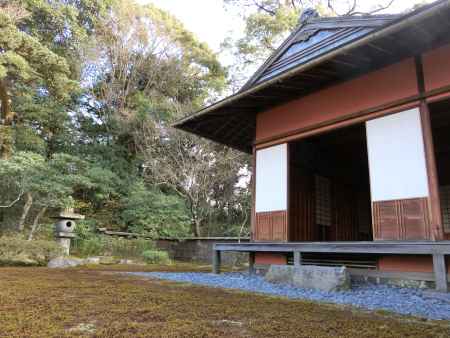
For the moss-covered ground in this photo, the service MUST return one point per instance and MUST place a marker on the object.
(94, 302)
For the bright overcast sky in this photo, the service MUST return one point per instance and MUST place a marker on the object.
(211, 23)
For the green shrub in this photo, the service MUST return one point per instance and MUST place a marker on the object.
(156, 257)
(99, 245)
(128, 248)
(85, 229)
(93, 246)
(16, 250)
(148, 211)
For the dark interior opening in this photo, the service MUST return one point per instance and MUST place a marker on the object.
(440, 124)
(329, 192)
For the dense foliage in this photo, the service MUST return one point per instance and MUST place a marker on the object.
(88, 90)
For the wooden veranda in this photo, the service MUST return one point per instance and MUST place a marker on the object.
(438, 250)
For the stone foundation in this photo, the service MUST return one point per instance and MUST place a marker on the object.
(310, 277)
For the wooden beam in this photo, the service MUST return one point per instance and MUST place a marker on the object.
(369, 247)
(418, 276)
(351, 119)
(440, 272)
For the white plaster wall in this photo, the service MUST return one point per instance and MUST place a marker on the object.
(397, 157)
(271, 179)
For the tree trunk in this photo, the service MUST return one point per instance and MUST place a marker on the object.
(197, 228)
(25, 211)
(36, 220)
(6, 122)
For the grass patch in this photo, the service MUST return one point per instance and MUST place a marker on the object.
(17, 251)
(92, 301)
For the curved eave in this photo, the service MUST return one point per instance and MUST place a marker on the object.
(232, 121)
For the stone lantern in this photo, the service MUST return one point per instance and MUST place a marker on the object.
(65, 227)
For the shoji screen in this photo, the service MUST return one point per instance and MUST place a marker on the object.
(271, 193)
(398, 176)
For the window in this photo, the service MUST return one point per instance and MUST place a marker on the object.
(323, 200)
(445, 207)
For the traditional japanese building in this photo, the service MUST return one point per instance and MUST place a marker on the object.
(349, 126)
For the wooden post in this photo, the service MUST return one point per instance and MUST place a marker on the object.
(251, 263)
(253, 186)
(297, 258)
(216, 262)
(440, 272)
(434, 204)
(434, 201)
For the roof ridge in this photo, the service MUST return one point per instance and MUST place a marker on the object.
(354, 17)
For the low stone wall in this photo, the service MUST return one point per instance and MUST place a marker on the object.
(200, 250)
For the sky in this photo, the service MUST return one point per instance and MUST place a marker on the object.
(207, 19)
(211, 23)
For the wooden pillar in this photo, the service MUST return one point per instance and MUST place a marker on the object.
(253, 186)
(216, 261)
(297, 258)
(288, 193)
(440, 272)
(251, 263)
(434, 202)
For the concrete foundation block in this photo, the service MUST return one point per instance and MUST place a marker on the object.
(280, 274)
(322, 278)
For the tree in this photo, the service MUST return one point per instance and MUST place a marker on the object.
(24, 167)
(40, 47)
(203, 173)
(144, 56)
(269, 22)
(25, 62)
(89, 84)
(147, 71)
(41, 42)
(51, 182)
(151, 212)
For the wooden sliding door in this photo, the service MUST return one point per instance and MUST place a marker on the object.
(270, 221)
(398, 177)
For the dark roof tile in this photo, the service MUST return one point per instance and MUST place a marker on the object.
(317, 37)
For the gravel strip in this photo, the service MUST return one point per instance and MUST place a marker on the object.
(407, 301)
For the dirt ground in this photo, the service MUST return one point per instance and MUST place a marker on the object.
(97, 302)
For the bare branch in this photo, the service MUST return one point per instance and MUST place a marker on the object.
(13, 202)
(379, 9)
(352, 9)
(263, 8)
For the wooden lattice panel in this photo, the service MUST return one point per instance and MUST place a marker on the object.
(271, 226)
(323, 200)
(406, 219)
(445, 207)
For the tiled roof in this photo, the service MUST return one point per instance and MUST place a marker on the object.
(314, 38)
